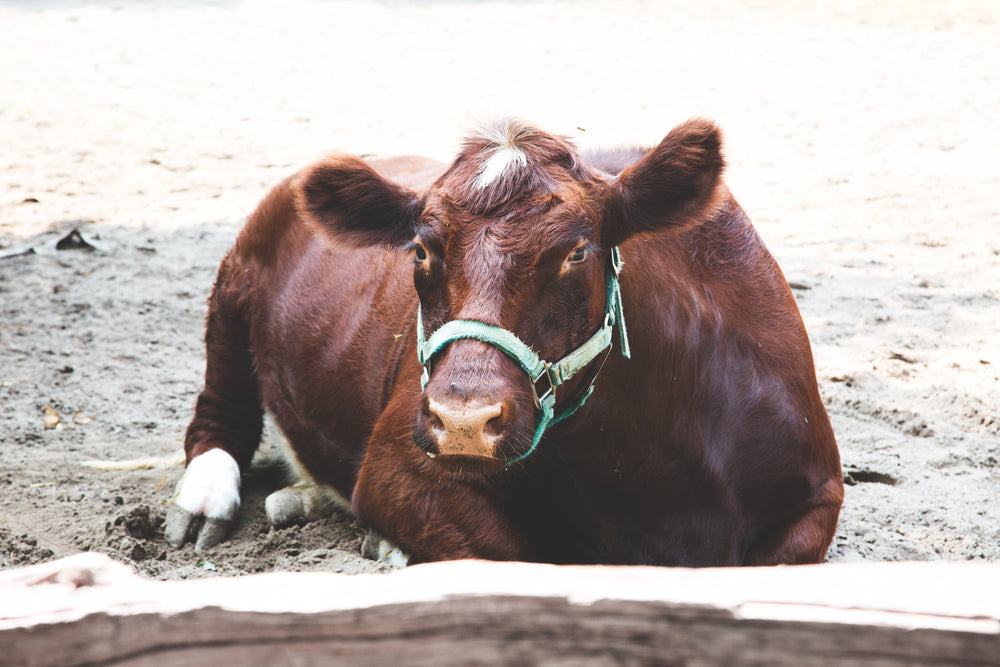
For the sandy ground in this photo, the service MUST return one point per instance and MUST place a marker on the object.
(862, 138)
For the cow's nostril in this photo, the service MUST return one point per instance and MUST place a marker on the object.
(494, 426)
(434, 423)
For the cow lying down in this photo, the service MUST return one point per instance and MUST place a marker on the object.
(530, 353)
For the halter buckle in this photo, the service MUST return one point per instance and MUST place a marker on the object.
(549, 388)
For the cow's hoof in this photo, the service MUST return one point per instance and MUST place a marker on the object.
(284, 508)
(210, 487)
(180, 523)
(295, 504)
(213, 532)
(175, 529)
(378, 548)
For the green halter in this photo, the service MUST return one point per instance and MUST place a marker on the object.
(537, 368)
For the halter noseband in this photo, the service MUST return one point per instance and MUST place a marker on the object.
(538, 370)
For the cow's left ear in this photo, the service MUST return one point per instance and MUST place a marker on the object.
(347, 199)
(677, 184)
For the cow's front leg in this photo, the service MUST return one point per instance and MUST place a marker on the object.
(226, 427)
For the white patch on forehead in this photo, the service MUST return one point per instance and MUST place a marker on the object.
(500, 156)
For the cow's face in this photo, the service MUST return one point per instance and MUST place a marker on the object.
(516, 234)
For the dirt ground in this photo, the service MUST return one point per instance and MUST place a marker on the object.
(862, 138)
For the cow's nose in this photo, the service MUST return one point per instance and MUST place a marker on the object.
(464, 428)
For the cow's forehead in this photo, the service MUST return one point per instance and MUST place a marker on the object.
(508, 165)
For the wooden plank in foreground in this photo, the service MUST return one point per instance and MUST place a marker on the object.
(88, 610)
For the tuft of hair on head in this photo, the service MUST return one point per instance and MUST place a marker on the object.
(503, 150)
(504, 161)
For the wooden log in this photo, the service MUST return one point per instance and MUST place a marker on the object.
(88, 609)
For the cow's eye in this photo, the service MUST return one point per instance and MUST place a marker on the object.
(577, 255)
(419, 251)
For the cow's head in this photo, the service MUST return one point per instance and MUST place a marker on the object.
(516, 234)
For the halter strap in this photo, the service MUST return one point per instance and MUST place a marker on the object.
(537, 369)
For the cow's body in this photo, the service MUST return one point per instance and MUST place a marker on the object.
(710, 446)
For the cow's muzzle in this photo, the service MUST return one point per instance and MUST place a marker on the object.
(463, 428)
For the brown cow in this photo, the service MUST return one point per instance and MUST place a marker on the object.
(707, 445)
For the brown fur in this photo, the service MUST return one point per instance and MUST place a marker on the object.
(711, 446)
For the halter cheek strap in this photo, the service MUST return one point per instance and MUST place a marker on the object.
(548, 375)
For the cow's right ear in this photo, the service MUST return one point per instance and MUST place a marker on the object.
(347, 199)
